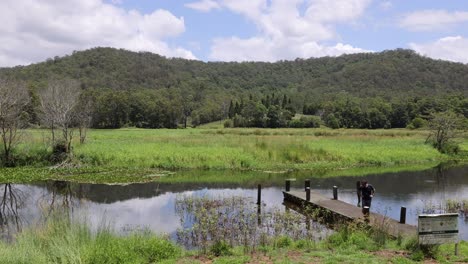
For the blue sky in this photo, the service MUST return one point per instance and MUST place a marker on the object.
(232, 30)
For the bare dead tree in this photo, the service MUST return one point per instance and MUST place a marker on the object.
(58, 105)
(13, 98)
(84, 116)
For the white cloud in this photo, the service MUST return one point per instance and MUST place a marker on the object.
(264, 49)
(448, 48)
(204, 5)
(386, 5)
(33, 30)
(336, 10)
(249, 8)
(285, 32)
(428, 20)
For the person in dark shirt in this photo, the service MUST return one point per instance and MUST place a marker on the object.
(367, 192)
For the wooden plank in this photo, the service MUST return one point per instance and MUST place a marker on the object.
(349, 212)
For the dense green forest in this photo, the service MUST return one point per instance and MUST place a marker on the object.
(389, 89)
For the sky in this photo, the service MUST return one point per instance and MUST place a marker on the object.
(32, 31)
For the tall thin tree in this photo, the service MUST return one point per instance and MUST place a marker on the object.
(13, 99)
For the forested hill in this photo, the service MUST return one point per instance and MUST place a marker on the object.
(204, 91)
(369, 74)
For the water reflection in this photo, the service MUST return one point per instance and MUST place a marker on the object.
(152, 205)
(11, 202)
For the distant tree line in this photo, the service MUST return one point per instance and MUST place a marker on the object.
(346, 111)
(269, 111)
(343, 111)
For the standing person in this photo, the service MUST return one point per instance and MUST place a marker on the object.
(367, 192)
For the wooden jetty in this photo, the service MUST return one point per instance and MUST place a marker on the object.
(339, 211)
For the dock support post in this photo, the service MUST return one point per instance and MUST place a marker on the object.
(288, 185)
(403, 215)
(259, 194)
(259, 214)
(308, 194)
(335, 193)
(306, 184)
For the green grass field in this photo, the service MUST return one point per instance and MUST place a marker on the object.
(141, 154)
(266, 149)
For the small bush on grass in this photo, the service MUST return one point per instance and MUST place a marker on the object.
(221, 248)
(352, 236)
(419, 252)
(283, 242)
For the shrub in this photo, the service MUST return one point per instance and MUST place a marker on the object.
(416, 123)
(228, 123)
(221, 248)
(311, 121)
(332, 122)
(59, 152)
(283, 242)
(296, 123)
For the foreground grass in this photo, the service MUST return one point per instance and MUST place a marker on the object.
(60, 241)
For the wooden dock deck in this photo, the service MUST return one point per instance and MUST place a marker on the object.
(342, 211)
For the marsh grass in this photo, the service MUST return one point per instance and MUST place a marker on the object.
(60, 240)
(203, 150)
(446, 206)
(263, 149)
(127, 155)
(219, 224)
(248, 178)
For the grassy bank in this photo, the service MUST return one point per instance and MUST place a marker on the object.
(268, 149)
(130, 155)
(257, 149)
(60, 241)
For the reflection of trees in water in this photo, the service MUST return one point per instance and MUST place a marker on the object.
(446, 202)
(61, 197)
(11, 201)
(441, 181)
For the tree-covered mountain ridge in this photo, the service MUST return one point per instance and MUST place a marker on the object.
(389, 89)
(390, 73)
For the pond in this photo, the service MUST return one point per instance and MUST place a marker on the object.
(152, 205)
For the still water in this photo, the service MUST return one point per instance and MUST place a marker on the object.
(152, 205)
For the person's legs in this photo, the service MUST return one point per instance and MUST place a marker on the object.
(366, 202)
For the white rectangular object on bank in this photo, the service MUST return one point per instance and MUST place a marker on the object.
(437, 229)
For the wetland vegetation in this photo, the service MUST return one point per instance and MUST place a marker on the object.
(140, 155)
